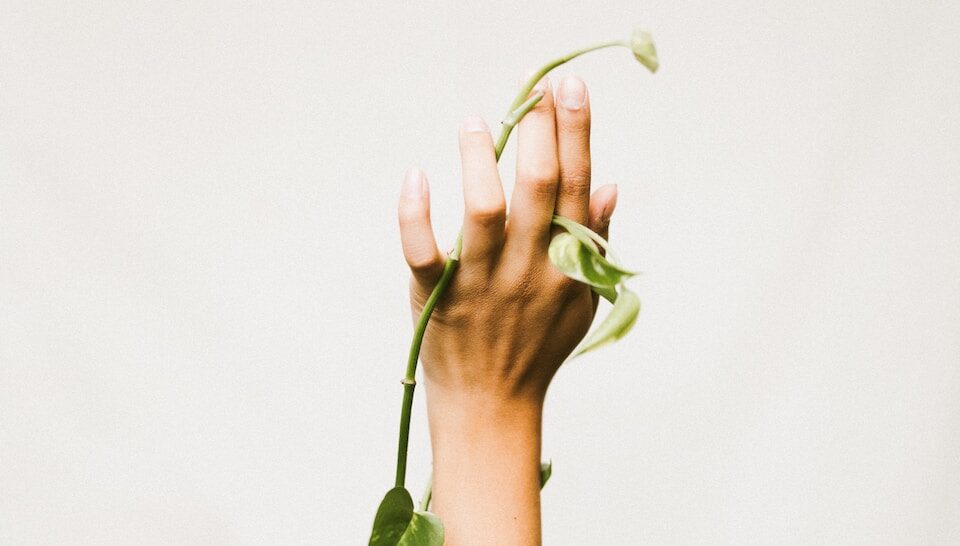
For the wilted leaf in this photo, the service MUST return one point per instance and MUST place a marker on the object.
(616, 325)
(641, 42)
(398, 524)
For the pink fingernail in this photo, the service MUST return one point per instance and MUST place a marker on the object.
(573, 93)
(608, 208)
(412, 183)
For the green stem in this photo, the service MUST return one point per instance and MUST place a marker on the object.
(525, 90)
(409, 381)
(427, 495)
(512, 119)
(522, 104)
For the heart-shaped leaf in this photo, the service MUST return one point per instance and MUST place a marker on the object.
(398, 524)
(616, 325)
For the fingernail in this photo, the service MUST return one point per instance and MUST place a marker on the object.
(412, 183)
(474, 124)
(573, 93)
(608, 208)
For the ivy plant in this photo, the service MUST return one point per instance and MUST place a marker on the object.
(577, 251)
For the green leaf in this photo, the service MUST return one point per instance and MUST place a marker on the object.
(546, 470)
(616, 325)
(398, 524)
(425, 530)
(393, 518)
(579, 230)
(573, 258)
(607, 292)
(564, 253)
(590, 239)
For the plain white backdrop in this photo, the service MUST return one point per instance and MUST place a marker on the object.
(203, 308)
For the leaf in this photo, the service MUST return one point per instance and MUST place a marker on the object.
(564, 253)
(599, 271)
(607, 292)
(572, 257)
(546, 470)
(425, 530)
(590, 240)
(615, 325)
(393, 517)
(398, 524)
(644, 49)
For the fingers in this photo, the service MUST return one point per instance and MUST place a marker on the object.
(573, 148)
(416, 233)
(535, 191)
(484, 202)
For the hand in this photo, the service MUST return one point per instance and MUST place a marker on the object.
(507, 320)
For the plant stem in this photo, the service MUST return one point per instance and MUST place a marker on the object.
(427, 495)
(512, 119)
(409, 381)
(525, 90)
(520, 106)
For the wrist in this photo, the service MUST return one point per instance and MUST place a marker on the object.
(483, 411)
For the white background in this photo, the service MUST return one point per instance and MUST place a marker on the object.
(203, 309)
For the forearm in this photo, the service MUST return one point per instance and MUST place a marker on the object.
(486, 467)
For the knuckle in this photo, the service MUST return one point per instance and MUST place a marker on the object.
(575, 180)
(542, 182)
(486, 214)
(417, 265)
(574, 190)
(543, 186)
(421, 264)
(421, 258)
(576, 172)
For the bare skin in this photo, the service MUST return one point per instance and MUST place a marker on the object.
(507, 320)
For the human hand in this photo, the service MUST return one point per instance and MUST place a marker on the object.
(509, 318)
